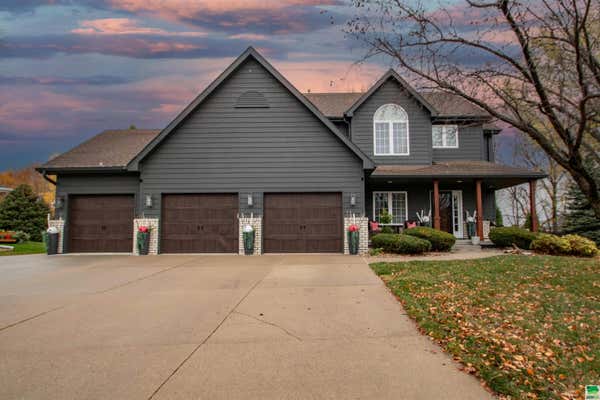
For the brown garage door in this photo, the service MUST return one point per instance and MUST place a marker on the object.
(199, 223)
(100, 223)
(303, 223)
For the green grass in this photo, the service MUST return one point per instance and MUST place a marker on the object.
(25, 248)
(527, 325)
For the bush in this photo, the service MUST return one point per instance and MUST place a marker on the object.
(551, 244)
(581, 246)
(22, 210)
(386, 229)
(507, 236)
(440, 240)
(375, 252)
(400, 244)
(21, 236)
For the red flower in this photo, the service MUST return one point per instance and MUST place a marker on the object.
(353, 228)
(143, 229)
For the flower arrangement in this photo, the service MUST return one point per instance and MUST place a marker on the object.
(423, 218)
(143, 239)
(353, 228)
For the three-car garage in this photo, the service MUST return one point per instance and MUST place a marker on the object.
(208, 223)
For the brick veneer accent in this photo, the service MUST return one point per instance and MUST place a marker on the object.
(486, 229)
(363, 242)
(60, 225)
(256, 223)
(151, 223)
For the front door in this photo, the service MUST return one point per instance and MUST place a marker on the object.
(451, 210)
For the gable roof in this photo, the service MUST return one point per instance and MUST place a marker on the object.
(249, 53)
(391, 74)
(111, 149)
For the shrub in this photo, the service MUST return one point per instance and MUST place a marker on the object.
(440, 240)
(386, 229)
(551, 244)
(21, 236)
(507, 236)
(375, 252)
(581, 246)
(400, 244)
(22, 210)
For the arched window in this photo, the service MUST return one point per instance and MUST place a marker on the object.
(390, 131)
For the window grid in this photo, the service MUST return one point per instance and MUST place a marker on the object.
(444, 136)
(394, 202)
(391, 134)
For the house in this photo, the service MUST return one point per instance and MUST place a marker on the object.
(251, 149)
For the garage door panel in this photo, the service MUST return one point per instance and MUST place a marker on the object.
(303, 222)
(100, 223)
(199, 223)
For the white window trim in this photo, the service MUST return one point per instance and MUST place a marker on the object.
(391, 134)
(444, 146)
(389, 193)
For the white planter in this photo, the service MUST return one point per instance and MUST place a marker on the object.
(475, 240)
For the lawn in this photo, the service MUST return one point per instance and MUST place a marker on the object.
(25, 248)
(526, 325)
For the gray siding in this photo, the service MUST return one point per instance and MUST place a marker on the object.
(283, 148)
(419, 125)
(471, 145)
(95, 184)
(342, 127)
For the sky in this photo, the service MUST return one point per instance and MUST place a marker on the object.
(70, 69)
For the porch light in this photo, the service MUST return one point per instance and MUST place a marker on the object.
(148, 201)
(389, 181)
(58, 202)
(250, 200)
(353, 199)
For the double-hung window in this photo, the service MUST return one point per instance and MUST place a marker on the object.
(395, 203)
(444, 136)
(390, 131)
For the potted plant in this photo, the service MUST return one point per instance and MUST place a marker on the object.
(353, 238)
(248, 234)
(424, 219)
(471, 227)
(143, 240)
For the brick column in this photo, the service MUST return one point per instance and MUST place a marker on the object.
(363, 242)
(151, 223)
(256, 224)
(60, 225)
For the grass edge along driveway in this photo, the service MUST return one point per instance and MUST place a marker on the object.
(526, 325)
(25, 248)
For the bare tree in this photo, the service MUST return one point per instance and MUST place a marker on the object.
(533, 64)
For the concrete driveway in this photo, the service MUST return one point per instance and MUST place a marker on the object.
(212, 327)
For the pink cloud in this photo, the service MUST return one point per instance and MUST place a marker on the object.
(184, 8)
(249, 36)
(124, 26)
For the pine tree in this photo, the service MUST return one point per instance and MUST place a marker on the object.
(22, 210)
(499, 218)
(580, 219)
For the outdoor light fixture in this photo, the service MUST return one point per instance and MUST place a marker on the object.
(58, 202)
(148, 201)
(250, 200)
(353, 199)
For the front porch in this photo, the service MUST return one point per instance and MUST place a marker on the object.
(449, 193)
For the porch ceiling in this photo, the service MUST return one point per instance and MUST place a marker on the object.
(494, 175)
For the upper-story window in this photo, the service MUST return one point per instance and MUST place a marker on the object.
(444, 136)
(390, 131)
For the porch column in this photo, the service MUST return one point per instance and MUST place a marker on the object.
(436, 204)
(479, 203)
(532, 210)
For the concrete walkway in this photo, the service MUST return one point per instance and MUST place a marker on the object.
(212, 327)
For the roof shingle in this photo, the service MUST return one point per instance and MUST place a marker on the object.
(334, 105)
(466, 168)
(112, 148)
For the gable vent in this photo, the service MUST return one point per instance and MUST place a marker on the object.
(252, 99)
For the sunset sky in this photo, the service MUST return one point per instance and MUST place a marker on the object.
(72, 68)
